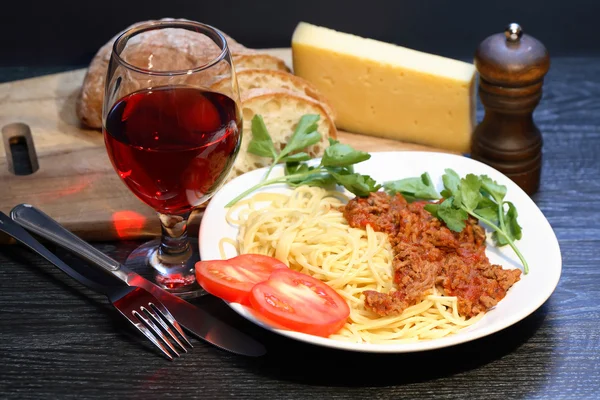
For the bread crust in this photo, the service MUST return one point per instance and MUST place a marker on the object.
(283, 94)
(290, 82)
(254, 59)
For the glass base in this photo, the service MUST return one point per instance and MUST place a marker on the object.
(178, 279)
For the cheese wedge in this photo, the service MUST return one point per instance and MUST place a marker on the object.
(385, 90)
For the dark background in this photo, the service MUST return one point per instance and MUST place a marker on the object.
(63, 33)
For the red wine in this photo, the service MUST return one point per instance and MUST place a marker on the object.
(173, 145)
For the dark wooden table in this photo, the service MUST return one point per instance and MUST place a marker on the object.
(59, 340)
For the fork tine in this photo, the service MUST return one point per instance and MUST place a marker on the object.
(156, 316)
(154, 328)
(142, 328)
(162, 310)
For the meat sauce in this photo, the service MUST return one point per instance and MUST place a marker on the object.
(428, 254)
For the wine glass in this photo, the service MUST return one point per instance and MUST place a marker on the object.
(170, 137)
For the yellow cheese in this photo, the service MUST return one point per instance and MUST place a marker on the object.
(385, 90)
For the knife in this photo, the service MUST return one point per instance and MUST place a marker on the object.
(124, 298)
(14, 230)
(194, 319)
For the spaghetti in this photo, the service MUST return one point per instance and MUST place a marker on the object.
(306, 230)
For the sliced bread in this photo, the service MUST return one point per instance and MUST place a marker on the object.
(281, 111)
(254, 59)
(249, 79)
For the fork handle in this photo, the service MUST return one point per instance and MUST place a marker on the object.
(9, 227)
(36, 221)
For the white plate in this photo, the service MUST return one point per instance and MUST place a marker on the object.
(539, 245)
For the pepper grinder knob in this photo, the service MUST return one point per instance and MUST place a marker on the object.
(511, 67)
(513, 32)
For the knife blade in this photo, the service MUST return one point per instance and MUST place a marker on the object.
(195, 320)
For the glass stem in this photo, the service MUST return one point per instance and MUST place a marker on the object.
(174, 245)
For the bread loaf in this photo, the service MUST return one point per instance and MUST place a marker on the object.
(191, 50)
(281, 111)
(249, 79)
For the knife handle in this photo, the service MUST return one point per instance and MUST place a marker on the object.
(9, 227)
(36, 221)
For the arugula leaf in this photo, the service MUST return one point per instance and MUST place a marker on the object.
(451, 182)
(494, 189)
(293, 168)
(297, 157)
(491, 188)
(304, 135)
(413, 188)
(487, 209)
(499, 240)
(406, 185)
(515, 232)
(489, 213)
(453, 217)
(513, 229)
(456, 199)
(360, 185)
(261, 143)
(482, 198)
(511, 219)
(312, 175)
(336, 167)
(469, 192)
(498, 192)
(317, 179)
(341, 155)
(429, 183)
(433, 208)
(486, 202)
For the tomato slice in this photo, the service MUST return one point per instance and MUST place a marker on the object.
(300, 302)
(232, 279)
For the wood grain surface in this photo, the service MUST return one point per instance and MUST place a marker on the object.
(76, 183)
(60, 341)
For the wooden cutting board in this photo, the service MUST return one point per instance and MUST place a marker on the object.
(75, 182)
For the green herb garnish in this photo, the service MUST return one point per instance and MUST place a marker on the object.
(413, 188)
(483, 199)
(304, 135)
(336, 166)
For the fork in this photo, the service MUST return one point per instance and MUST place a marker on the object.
(137, 305)
(148, 315)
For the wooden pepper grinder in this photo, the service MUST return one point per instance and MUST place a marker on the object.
(511, 70)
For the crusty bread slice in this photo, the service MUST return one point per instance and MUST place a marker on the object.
(281, 110)
(249, 79)
(254, 59)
